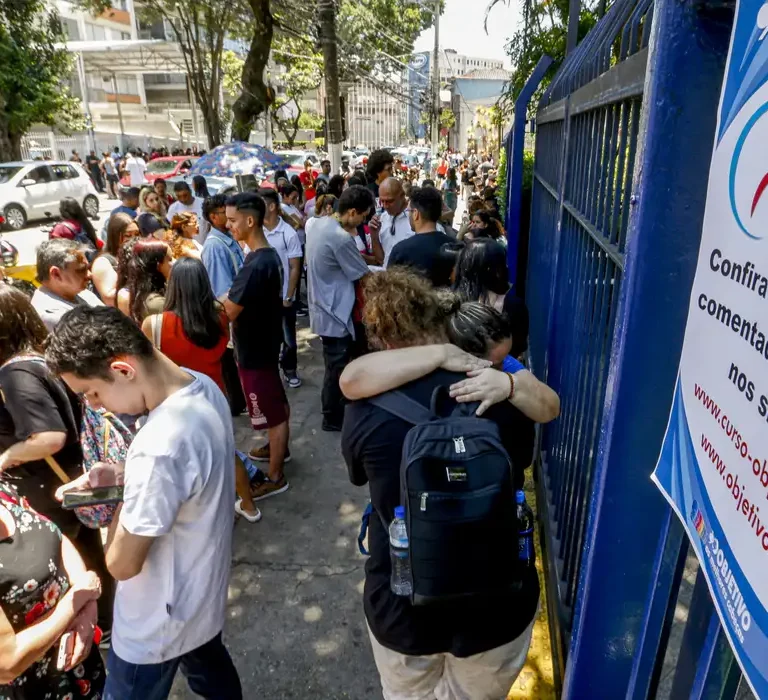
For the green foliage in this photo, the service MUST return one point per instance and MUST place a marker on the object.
(232, 80)
(31, 89)
(501, 184)
(311, 120)
(369, 29)
(447, 119)
(543, 31)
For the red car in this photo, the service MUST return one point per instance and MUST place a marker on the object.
(169, 166)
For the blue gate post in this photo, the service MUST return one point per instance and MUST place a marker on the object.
(515, 155)
(617, 585)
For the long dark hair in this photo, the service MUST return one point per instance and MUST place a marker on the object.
(481, 268)
(336, 186)
(69, 208)
(493, 228)
(144, 276)
(190, 297)
(200, 186)
(116, 227)
(21, 329)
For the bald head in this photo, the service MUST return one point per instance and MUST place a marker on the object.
(391, 196)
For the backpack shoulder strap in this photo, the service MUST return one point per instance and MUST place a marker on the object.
(399, 404)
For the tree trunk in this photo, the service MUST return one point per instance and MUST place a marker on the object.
(333, 97)
(10, 144)
(254, 98)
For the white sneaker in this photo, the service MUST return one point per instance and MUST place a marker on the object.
(251, 518)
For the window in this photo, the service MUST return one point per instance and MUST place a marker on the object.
(71, 28)
(93, 32)
(40, 174)
(64, 172)
(125, 36)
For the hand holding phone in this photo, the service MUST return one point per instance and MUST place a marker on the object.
(66, 648)
(76, 498)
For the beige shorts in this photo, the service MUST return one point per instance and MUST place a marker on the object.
(486, 676)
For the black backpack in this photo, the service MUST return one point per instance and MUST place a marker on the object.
(457, 486)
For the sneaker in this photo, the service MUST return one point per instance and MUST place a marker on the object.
(270, 488)
(250, 517)
(331, 427)
(302, 312)
(262, 454)
(293, 380)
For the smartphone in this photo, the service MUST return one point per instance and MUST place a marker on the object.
(66, 647)
(92, 497)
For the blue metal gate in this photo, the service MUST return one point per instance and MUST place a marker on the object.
(624, 138)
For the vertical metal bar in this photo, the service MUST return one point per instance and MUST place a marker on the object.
(700, 615)
(574, 8)
(515, 154)
(659, 610)
(663, 240)
(718, 674)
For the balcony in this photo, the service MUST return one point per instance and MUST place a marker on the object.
(114, 14)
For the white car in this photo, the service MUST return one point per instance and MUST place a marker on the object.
(33, 189)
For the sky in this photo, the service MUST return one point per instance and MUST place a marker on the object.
(461, 28)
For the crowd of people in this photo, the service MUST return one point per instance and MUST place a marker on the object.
(181, 314)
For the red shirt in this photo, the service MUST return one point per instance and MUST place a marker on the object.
(175, 345)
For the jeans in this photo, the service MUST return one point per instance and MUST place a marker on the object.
(337, 352)
(288, 359)
(208, 669)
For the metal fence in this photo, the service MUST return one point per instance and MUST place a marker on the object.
(624, 136)
(50, 144)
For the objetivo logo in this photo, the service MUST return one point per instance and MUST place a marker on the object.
(748, 174)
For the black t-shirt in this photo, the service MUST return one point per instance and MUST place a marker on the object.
(258, 330)
(34, 401)
(423, 252)
(517, 312)
(372, 442)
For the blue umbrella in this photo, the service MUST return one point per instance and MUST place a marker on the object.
(238, 158)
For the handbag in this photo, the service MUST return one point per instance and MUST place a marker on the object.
(104, 438)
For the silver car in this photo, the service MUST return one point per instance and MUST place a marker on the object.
(32, 189)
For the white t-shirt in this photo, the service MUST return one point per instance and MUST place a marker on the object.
(180, 490)
(197, 208)
(390, 236)
(284, 239)
(136, 168)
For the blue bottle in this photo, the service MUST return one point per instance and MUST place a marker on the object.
(400, 581)
(525, 519)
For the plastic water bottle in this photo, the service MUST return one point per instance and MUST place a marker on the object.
(400, 583)
(526, 551)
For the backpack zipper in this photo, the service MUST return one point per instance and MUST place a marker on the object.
(423, 506)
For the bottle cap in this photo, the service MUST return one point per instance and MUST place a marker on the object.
(400, 512)
(520, 497)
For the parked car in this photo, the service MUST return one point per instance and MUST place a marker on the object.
(29, 189)
(216, 185)
(168, 166)
(296, 159)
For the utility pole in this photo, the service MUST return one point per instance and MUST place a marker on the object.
(327, 16)
(436, 85)
(121, 141)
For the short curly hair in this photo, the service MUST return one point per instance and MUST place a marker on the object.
(402, 309)
(89, 338)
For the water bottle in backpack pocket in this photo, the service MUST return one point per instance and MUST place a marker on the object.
(400, 580)
(457, 487)
(525, 548)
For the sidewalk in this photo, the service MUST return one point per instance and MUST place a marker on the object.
(296, 627)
